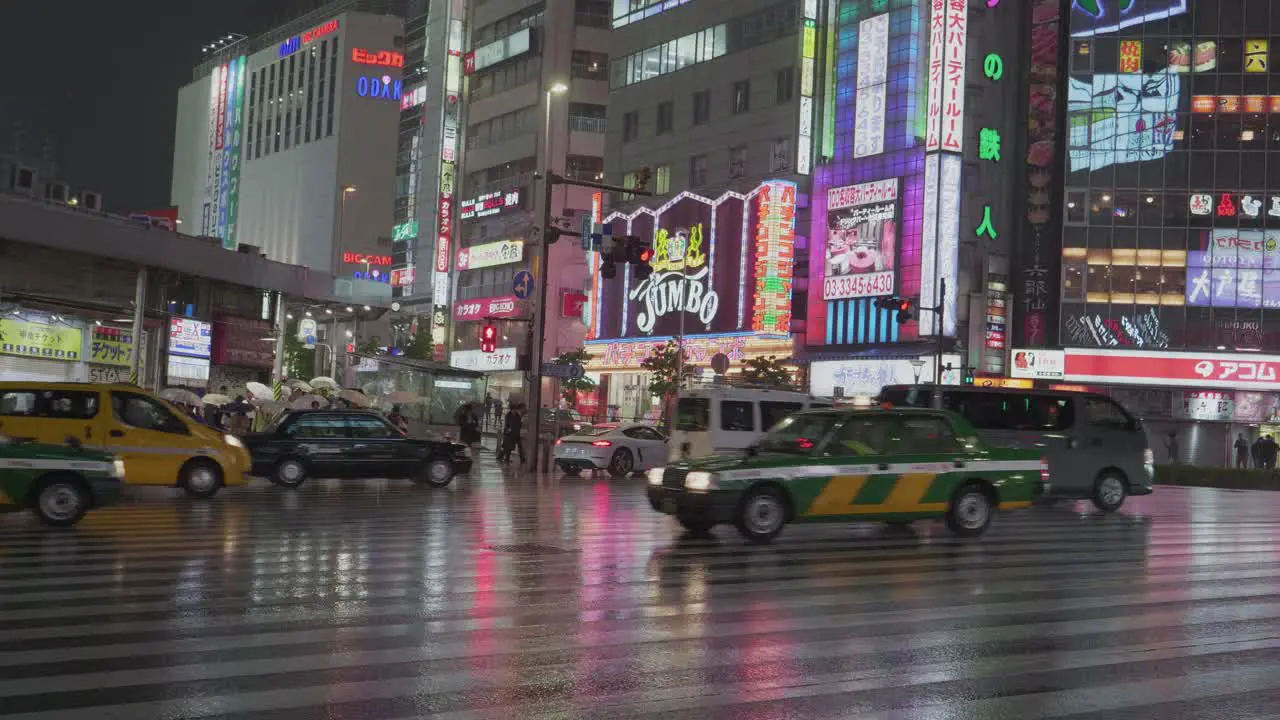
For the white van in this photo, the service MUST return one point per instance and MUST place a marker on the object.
(720, 420)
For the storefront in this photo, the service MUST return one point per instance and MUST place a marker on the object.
(720, 283)
(243, 352)
(501, 369)
(42, 346)
(1171, 214)
(1204, 399)
(440, 389)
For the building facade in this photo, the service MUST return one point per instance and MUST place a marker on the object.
(1165, 276)
(285, 143)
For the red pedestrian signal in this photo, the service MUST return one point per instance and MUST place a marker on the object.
(489, 338)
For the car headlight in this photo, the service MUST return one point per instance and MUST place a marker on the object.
(655, 476)
(117, 468)
(1148, 457)
(232, 440)
(700, 481)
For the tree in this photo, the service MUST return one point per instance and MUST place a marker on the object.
(372, 346)
(767, 371)
(665, 369)
(420, 346)
(572, 386)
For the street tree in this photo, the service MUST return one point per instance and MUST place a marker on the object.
(766, 371)
(666, 373)
(570, 387)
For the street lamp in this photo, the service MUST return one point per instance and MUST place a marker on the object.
(558, 88)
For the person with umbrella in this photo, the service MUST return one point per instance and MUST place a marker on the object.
(239, 411)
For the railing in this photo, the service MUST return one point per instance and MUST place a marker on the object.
(582, 123)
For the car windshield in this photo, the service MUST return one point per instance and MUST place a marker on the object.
(798, 434)
(595, 431)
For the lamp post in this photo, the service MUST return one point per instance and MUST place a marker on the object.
(543, 279)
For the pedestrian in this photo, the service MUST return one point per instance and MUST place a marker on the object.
(1269, 448)
(511, 430)
(1242, 452)
(496, 409)
(398, 419)
(1171, 444)
(468, 424)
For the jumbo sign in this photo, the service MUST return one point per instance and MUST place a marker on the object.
(680, 280)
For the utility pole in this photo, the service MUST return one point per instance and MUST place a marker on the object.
(550, 235)
(940, 309)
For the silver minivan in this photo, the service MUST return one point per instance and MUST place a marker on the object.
(1095, 449)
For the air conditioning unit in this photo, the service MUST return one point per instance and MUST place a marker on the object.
(57, 192)
(248, 249)
(90, 200)
(22, 179)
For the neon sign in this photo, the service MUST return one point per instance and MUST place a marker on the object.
(384, 88)
(680, 281)
(490, 204)
(775, 258)
(382, 58)
(351, 257)
(295, 43)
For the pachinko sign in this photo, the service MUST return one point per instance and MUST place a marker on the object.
(862, 240)
(680, 279)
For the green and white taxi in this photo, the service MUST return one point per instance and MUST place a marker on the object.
(58, 483)
(892, 466)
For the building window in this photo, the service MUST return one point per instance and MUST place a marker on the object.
(697, 170)
(786, 80)
(589, 65)
(737, 161)
(741, 99)
(662, 180)
(701, 107)
(666, 117)
(591, 13)
(631, 126)
(780, 154)
(584, 167)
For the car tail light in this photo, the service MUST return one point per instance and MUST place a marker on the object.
(559, 441)
(602, 443)
(1044, 470)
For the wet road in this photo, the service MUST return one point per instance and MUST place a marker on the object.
(571, 599)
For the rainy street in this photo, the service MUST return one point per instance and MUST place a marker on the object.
(517, 597)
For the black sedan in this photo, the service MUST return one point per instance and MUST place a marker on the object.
(350, 444)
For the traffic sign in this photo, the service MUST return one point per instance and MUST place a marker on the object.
(522, 284)
(572, 371)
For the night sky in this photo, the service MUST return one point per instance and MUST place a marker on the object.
(101, 79)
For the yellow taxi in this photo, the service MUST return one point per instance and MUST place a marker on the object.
(160, 445)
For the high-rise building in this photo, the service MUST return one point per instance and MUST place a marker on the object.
(495, 91)
(718, 101)
(285, 142)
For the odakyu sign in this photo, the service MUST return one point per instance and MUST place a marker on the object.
(707, 252)
(379, 88)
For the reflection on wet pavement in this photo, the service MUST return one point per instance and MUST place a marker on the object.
(518, 597)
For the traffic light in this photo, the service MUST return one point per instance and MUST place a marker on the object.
(489, 338)
(900, 306)
(639, 255)
(968, 376)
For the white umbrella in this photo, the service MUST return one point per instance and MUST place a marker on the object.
(355, 397)
(321, 382)
(181, 395)
(304, 402)
(259, 391)
(299, 385)
(216, 399)
(403, 397)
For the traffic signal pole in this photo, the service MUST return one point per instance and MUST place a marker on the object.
(538, 460)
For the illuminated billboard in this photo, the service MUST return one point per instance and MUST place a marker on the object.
(1121, 118)
(1097, 17)
(862, 240)
(1237, 269)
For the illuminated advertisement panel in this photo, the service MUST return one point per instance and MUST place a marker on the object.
(1237, 269)
(703, 274)
(862, 240)
(490, 254)
(1119, 118)
(873, 67)
(229, 195)
(775, 258)
(1097, 17)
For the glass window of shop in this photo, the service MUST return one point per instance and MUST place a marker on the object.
(1171, 233)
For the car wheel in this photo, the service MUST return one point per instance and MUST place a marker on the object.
(622, 463)
(698, 524)
(1109, 492)
(290, 473)
(571, 471)
(436, 473)
(201, 478)
(970, 512)
(61, 501)
(762, 514)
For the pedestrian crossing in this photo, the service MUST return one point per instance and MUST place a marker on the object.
(516, 596)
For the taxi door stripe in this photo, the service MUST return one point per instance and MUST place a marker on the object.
(908, 491)
(837, 497)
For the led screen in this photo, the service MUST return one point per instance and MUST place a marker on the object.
(1121, 118)
(1095, 17)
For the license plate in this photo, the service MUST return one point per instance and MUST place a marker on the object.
(571, 452)
(669, 505)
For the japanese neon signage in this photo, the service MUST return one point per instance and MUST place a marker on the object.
(808, 73)
(295, 43)
(378, 88)
(352, 257)
(380, 58)
(775, 258)
(873, 69)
